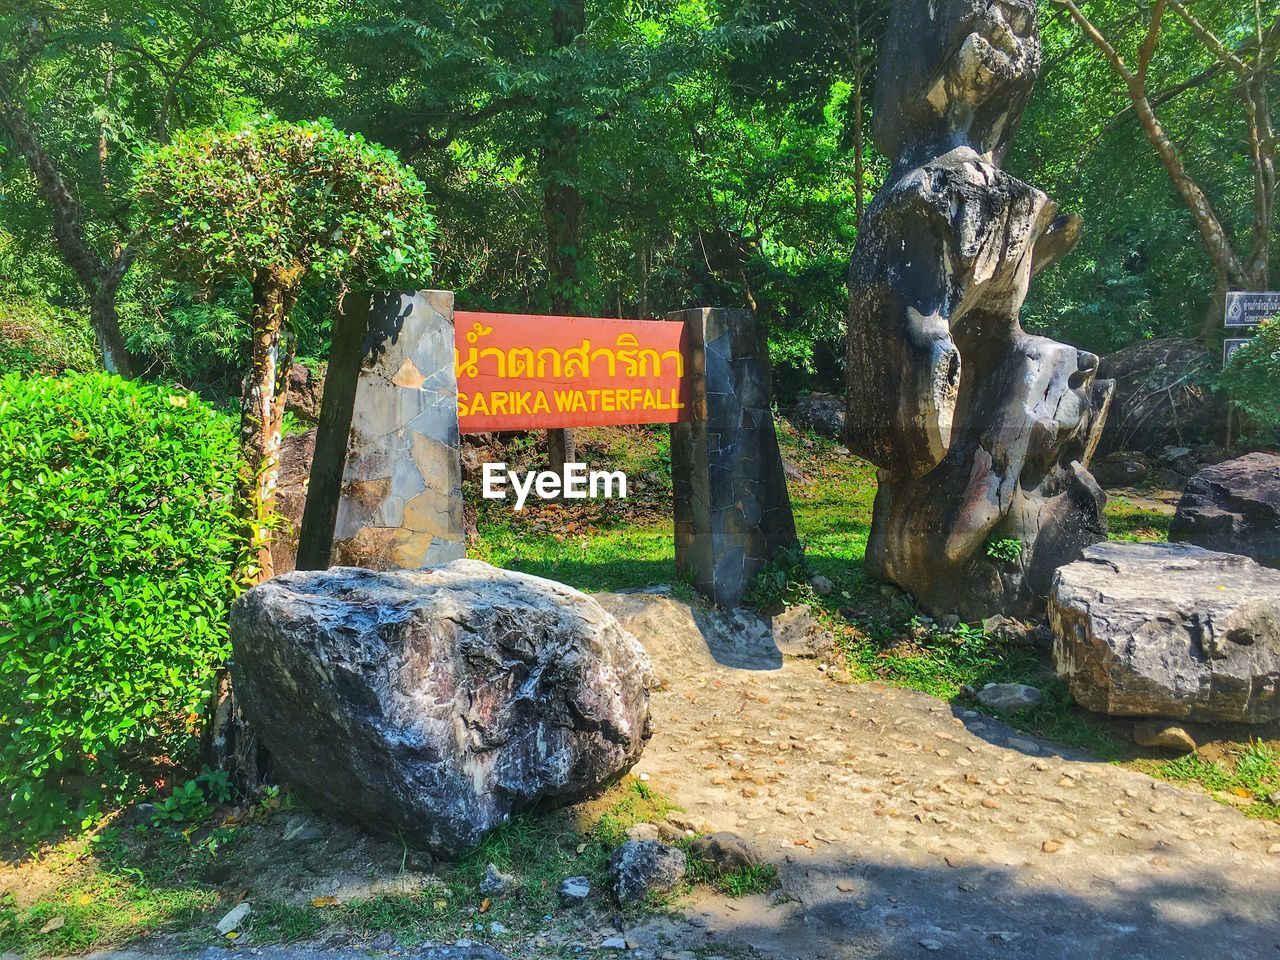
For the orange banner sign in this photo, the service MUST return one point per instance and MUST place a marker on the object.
(521, 372)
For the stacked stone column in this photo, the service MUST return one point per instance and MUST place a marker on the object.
(386, 483)
(732, 511)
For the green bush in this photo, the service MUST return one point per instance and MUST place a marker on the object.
(1252, 378)
(118, 539)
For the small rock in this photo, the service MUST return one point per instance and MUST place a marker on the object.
(644, 831)
(575, 890)
(948, 622)
(1120, 469)
(614, 943)
(302, 828)
(1026, 746)
(1051, 846)
(234, 918)
(1274, 848)
(724, 852)
(1009, 697)
(1174, 454)
(641, 867)
(495, 881)
(933, 946)
(1163, 734)
(822, 586)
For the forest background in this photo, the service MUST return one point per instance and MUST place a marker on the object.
(600, 157)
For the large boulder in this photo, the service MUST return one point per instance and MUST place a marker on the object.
(1234, 507)
(435, 704)
(1163, 396)
(1168, 630)
(823, 413)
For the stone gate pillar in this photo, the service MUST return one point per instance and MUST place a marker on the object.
(386, 482)
(732, 510)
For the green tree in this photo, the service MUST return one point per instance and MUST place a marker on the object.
(1242, 48)
(1252, 379)
(85, 84)
(278, 203)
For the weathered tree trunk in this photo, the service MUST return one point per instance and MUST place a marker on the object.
(262, 410)
(105, 321)
(230, 744)
(859, 117)
(982, 433)
(99, 277)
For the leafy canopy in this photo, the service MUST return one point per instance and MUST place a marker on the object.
(268, 195)
(1252, 377)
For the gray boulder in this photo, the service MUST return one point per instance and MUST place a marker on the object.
(1164, 396)
(823, 413)
(1233, 506)
(642, 867)
(1123, 468)
(1168, 630)
(724, 852)
(435, 704)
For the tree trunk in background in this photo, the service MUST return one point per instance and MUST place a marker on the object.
(262, 411)
(99, 278)
(1231, 270)
(562, 203)
(859, 138)
(106, 327)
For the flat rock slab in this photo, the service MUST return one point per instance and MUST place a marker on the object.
(435, 704)
(1233, 506)
(1168, 630)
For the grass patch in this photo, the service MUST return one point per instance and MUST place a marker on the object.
(150, 883)
(740, 882)
(103, 909)
(1127, 520)
(1248, 777)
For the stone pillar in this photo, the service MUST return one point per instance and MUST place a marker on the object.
(386, 482)
(732, 511)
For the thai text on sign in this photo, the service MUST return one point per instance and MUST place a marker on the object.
(522, 372)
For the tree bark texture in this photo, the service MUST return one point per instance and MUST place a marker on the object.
(266, 389)
(99, 277)
(982, 433)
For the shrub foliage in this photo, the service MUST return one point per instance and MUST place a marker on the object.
(1252, 378)
(118, 539)
(267, 195)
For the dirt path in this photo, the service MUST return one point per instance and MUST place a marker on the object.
(903, 828)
